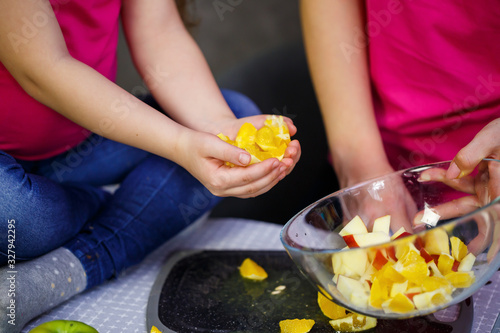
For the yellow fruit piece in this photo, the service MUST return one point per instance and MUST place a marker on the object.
(431, 283)
(436, 241)
(154, 329)
(445, 263)
(412, 267)
(379, 293)
(389, 273)
(246, 135)
(265, 138)
(461, 279)
(249, 269)
(353, 323)
(399, 303)
(329, 308)
(270, 141)
(296, 325)
(458, 248)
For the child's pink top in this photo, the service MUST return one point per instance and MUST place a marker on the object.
(28, 129)
(435, 67)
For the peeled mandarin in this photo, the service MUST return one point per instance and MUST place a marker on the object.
(249, 269)
(296, 325)
(329, 308)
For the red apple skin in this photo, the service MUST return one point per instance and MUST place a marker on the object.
(391, 253)
(435, 257)
(455, 266)
(410, 296)
(419, 244)
(350, 241)
(380, 260)
(427, 257)
(404, 234)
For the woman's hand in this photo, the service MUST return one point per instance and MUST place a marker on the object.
(204, 156)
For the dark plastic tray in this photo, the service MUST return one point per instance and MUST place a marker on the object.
(202, 291)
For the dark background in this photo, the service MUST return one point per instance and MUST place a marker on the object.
(255, 47)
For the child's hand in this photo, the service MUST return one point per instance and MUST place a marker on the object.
(204, 156)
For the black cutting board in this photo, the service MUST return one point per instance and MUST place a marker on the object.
(202, 291)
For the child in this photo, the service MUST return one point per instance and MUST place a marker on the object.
(404, 83)
(58, 62)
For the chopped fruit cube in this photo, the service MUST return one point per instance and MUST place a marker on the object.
(382, 224)
(350, 263)
(412, 267)
(466, 263)
(436, 241)
(445, 263)
(458, 248)
(399, 288)
(249, 269)
(329, 308)
(461, 279)
(399, 303)
(353, 290)
(379, 293)
(431, 299)
(432, 283)
(398, 233)
(380, 260)
(355, 226)
(353, 323)
(296, 325)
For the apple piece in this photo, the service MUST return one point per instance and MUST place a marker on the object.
(467, 263)
(398, 233)
(382, 224)
(436, 241)
(355, 226)
(431, 299)
(458, 248)
(63, 326)
(398, 288)
(373, 238)
(391, 253)
(350, 241)
(351, 263)
(368, 275)
(461, 279)
(380, 260)
(434, 269)
(455, 266)
(353, 291)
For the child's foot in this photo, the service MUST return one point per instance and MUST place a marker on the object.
(30, 288)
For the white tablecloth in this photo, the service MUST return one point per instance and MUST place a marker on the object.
(119, 306)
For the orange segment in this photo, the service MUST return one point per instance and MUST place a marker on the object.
(329, 308)
(445, 263)
(251, 270)
(461, 279)
(413, 267)
(458, 248)
(431, 283)
(353, 323)
(296, 325)
(269, 141)
(399, 303)
(246, 135)
(154, 329)
(379, 293)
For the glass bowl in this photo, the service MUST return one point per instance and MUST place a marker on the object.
(448, 250)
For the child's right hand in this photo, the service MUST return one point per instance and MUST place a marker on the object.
(204, 156)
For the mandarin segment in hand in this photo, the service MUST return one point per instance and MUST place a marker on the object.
(270, 141)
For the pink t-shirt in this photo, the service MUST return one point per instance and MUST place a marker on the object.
(435, 68)
(28, 129)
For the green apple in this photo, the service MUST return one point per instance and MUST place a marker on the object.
(63, 326)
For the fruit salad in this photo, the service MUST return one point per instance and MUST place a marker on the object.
(414, 273)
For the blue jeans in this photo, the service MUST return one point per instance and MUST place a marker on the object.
(59, 202)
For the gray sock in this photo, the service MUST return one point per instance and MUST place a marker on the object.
(30, 288)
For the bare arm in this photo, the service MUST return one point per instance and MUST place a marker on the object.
(46, 71)
(337, 56)
(183, 85)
